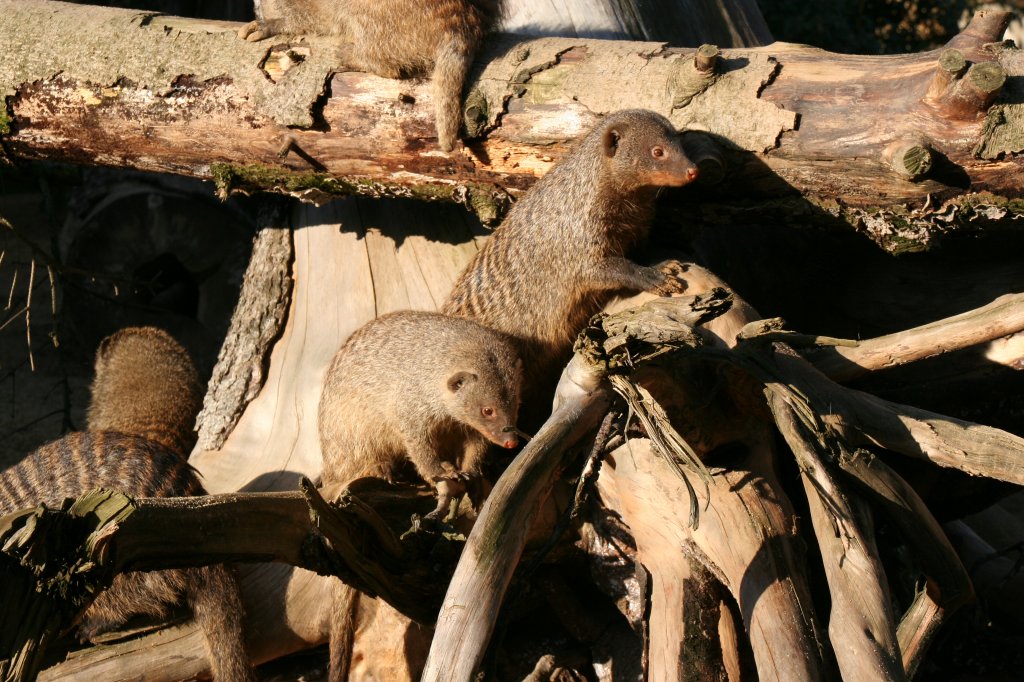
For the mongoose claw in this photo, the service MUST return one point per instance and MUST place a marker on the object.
(675, 280)
(448, 489)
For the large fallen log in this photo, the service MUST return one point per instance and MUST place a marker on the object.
(895, 146)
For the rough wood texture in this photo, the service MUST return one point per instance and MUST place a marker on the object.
(119, 534)
(255, 325)
(135, 104)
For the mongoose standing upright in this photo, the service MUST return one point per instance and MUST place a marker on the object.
(560, 254)
(145, 397)
(394, 39)
(428, 388)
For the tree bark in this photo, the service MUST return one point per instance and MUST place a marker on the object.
(790, 121)
(792, 125)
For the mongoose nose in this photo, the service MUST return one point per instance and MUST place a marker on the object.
(691, 174)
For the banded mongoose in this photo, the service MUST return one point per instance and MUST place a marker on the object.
(560, 254)
(428, 388)
(424, 387)
(144, 400)
(394, 39)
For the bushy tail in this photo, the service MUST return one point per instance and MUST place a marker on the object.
(217, 607)
(450, 68)
(343, 629)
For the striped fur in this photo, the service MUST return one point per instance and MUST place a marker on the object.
(413, 386)
(560, 254)
(146, 386)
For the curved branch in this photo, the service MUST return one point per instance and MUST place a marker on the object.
(861, 626)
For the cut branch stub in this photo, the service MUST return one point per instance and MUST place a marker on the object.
(986, 26)
(971, 96)
(693, 76)
(705, 60)
(910, 158)
(951, 66)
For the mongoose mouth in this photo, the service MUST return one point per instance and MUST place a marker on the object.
(506, 441)
(509, 437)
(665, 178)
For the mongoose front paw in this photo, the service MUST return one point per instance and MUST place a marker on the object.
(448, 489)
(255, 31)
(674, 278)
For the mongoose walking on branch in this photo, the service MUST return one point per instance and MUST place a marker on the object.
(394, 39)
(560, 254)
(145, 397)
(433, 389)
(423, 387)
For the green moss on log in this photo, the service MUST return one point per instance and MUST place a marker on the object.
(487, 201)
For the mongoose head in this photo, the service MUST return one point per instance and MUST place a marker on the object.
(642, 149)
(146, 385)
(487, 399)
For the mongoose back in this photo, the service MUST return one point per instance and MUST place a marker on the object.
(560, 254)
(394, 39)
(424, 387)
(145, 396)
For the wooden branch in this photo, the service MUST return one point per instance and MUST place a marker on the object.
(135, 105)
(256, 323)
(471, 606)
(861, 625)
(866, 420)
(948, 586)
(298, 529)
(745, 540)
(1001, 317)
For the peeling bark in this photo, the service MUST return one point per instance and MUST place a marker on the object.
(256, 323)
(858, 139)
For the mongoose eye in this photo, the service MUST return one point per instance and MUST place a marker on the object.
(487, 412)
(657, 152)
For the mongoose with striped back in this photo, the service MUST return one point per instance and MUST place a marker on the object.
(421, 387)
(394, 39)
(561, 253)
(144, 399)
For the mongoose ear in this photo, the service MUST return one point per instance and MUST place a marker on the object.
(103, 349)
(460, 379)
(611, 141)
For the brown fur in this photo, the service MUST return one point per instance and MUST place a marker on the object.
(560, 254)
(145, 396)
(413, 386)
(394, 39)
(146, 385)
